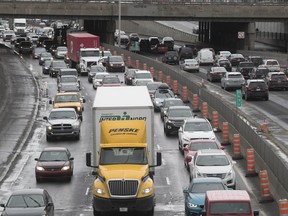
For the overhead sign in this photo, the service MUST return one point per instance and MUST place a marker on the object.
(241, 35)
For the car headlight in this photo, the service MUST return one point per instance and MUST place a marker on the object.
(122, 64)
(230, 173)
(39, 168)
(198, 174)
(99, 191)
(192, 205)
(75, 125)
(146, 190)
(78, 109)
(157, 102)
(67, 167)
(49, 127)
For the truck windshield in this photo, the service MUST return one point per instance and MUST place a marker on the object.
(87, 53)
(238, 208)
(110, 156)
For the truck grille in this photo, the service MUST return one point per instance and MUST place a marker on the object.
(62, 127)
(222, 176)
(123, 187)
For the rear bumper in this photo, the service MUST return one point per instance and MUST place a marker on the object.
(133, 204)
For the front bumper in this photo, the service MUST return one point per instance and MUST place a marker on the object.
(53, 173)
(171, 128)
(133, 204)
(68, 133)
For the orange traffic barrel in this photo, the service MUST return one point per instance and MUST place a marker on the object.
(251, 168)
(129, 62)
(215, 121)
(225, 133)
(264, 127)
(160, 76)
(137, 63)
(168, 80)
(195, 103)
(265, 187)
(144, 66)
(283, 207)
(115, 53)
(236, 148)
(152, 72)
(185, 94)
(175, 87)
(205, 110)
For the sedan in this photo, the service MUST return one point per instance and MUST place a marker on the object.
(153, 86)
(55, 67)
(68, 80)
(45, 56)
(93, 69)
(158, 97)
(54, 162)
(36, 52)
(171, 57)
(97, 79)
(189, 65)
(129, 75)
(232, 80)
(236, 58)
(195, 193)
(223, 62)
(29, 202)
(60, 52)
(46, 67)
(216, 73)
(169, 102)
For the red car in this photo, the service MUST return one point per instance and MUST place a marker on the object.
(198, 144)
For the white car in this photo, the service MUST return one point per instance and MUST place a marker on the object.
(97, 79)
(189, 65)
(272, 64)
(142, 75)
(195, 128)
(213, 163)
(223, 54)
(60, 52)
(8, 35)
(232, 80)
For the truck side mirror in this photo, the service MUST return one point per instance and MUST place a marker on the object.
(88, 159)
(256, 213)
(159, 158)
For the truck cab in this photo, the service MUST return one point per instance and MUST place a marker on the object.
(19, 26)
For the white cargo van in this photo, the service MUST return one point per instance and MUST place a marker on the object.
(205, 56)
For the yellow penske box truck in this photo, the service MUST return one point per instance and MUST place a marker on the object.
(123, 154)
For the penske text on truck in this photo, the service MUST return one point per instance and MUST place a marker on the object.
(123, 152)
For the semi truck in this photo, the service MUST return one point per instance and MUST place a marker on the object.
(123, 155)
(81, 45)
(19, 26)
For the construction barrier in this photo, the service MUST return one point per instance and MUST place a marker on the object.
(264, 127)
(175, 87)
(160, 76)
(168, 80)
(144, 66)
(129, 65)
(205, 110)
(251, 170)
(236, 148)
(152, 72)
(185, 94)
(283, 207)
(115, 53)
(195, 103)
(215, 121)
(225, 133)
(265, 187)
(137, 64)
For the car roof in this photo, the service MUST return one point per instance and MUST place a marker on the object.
(172, 99)
(234, 73)
(142, 71)
(28, 191)
(279, 73)
(226, 195)
(179, 107)
(202, 140)
(68, 76)
(206, 180)
(211, 152)
(196, 120)
(58, 148)
(62, 109)
(255, 80)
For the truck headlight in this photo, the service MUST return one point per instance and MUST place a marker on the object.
(39, 168)
(192, 205)
(49, 127)
(75, 125)
(99, 191)
(78, 109)
(146, 190)
(67, 167)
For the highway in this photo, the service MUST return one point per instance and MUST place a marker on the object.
(74, 198)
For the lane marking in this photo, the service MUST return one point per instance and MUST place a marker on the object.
(163, 162)
(87, 191)
(168, 181)
(158, 147)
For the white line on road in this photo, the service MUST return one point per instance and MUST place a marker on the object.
(163, 161)
(158, 147)
(87, 191)
(168, 181)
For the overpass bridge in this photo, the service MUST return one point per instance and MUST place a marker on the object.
(227, 23)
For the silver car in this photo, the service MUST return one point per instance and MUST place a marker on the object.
(97, 79)
(232, 80)
(189, 65)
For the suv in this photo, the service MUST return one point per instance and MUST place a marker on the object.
(258, 73)
(171, 57)
(69, 100)
(142, 75)
(111, 80)
(277, 80)
(272, 64)
(255, 88)
(245, 68)
(115, 64)
(257, 60)
(62, 122)
(213, 163)
(174, 118)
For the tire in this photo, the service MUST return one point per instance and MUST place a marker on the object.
(151, 212)
(77, 137)
(48, 138)
(166, 131)
(93, 87)
(267, 98)
(68, 179)
(38, 180)
(96, 213)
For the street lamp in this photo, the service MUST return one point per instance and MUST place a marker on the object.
(119, 23)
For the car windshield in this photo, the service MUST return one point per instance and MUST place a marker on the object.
(195, 146)
(197, 126)
(39, 50)
(223, 61)
(278, 77)
(109, 80)
(143, 75)
(212, 160)
(219, 69)
(123, 156)
(192, 61)
(180, 113)
(171, 54)
(233, 76)
(153, 86)
(142, 82)
(46, 54)
(70, 88)
(246, 64)
(68, 79)
(25, 201)
(171, 103)
(66, 98)
(272, 63)
(47, 63)
(53, 156)
(229, 208)
(100, 76)
(97, 68)
(62, 115)
(60, 64)
(164, 93)
(206, 186)
(116, 59)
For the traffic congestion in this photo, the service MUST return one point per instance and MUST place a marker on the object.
(110, 138)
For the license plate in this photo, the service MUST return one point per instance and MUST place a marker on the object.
(123, 209)
(257, 89)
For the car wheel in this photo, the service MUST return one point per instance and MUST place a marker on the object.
(190, 178)
(68, 179)
(267, 98)
(151, 212)
(48, 138)
(77, 137)
(38, 180)
(96, 213)
(180, 148)
(166, 131)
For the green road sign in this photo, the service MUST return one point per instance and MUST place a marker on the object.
(238, 98)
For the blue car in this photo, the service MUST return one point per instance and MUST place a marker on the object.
(195, 193)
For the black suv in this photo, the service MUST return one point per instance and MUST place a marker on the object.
(174, 118)
(255, 88)
(171, 57)
(245, 68)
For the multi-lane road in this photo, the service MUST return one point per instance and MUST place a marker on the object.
(27, 91)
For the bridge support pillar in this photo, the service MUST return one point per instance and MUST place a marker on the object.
(250, 36)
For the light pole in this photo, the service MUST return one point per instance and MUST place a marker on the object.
(119, 23)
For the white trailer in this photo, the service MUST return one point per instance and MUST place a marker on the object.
(123, 103)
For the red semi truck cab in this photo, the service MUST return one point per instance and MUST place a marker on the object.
(81, 40)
